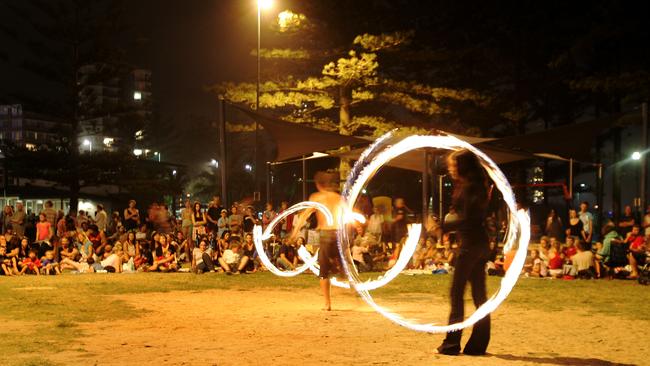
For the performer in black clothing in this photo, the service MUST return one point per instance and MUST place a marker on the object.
(470, 199)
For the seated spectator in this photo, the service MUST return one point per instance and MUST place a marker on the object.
(448, 254)
(143, 255)
(604, 252)
(129, 248)
(569, 249)
(397, 249)
(83, 266)
(202, 258)
(288, 259)
(164, 259)
(583, 262)
(84, 245)
(538, 268)
(555, 259)
(544, 247)
(358, 252)
(49, 264)
(109, 259)
(31, 264)
(249, 251)
(232, 261)
(68, 250)
(636, 250)
(6, 263)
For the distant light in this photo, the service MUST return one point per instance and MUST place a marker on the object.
(636, 155)
(137, 152)
(582, 185)
(86, 142)
(155, 153)
(137, 95)
(174, 172)
(363, 191)
(188, 195)
(108, 141)
(264, 4)
(248, 167)
(214, 163)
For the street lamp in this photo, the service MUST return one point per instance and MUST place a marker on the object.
(156, 153)
(261, 4)
(214, 163)
(89, 144)
(636, 155)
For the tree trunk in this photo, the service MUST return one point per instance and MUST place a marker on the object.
(345, 99)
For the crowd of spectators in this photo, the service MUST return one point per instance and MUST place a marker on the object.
(213, 238)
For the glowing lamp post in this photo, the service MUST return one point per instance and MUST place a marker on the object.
(89, 144)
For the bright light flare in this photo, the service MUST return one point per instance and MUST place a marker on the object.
(264, 4)
(636, 155)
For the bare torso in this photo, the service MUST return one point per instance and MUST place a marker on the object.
(332, 201)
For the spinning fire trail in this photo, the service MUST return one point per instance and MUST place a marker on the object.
(378, 154)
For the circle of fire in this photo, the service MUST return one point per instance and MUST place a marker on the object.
(377, 155)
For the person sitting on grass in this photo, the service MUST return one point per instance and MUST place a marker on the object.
(202, 258)
(31, 264)
(84, 266)
(636, 251)
(603, 253)
(231, 261)
(583, 261)
(538, 268)
(249, 251)
(50, 265)
(164, 259)
(6, 263)
(68, 250)
(555, 259)
(359, 251)
(288, 259)
(110, 259)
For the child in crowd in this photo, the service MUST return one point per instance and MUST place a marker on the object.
(538, 268)
(6, 262)
(31, 264)
(49, 264)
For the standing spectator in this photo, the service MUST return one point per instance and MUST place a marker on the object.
(61, 227)
(7, 213)
(43, 229)
(646, 222)
(626, 221)
(249, 221)
(553, 226)
(18, 220)
(82, 219)
(212, 215)
(575, 227)
(198, 221)
(234, 221)
(222, 223)
(587, 222)
(131, 216)
(375, 223)
(286, 224)
(101, 218)
(50, 213)
(400, 220)
(268, 215)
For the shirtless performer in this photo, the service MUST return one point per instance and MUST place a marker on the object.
(328, 255)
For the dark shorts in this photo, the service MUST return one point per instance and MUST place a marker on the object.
(328, 254)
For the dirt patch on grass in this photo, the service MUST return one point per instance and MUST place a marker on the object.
(230, 327)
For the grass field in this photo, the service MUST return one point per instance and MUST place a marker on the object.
(47, 312)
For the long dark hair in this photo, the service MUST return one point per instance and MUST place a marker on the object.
(472, 176)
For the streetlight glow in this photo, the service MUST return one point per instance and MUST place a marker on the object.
(89, 144)
(137, 152)
(636, 155)
(248, 167)
(214, 163)
(264, 4)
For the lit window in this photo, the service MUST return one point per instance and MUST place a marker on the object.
(137, 152)
(137, 95)
(108, 141)
(30, 147)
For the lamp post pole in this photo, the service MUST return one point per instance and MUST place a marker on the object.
(257, 92)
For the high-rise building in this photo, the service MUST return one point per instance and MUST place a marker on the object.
(115, 106)
(29, 129)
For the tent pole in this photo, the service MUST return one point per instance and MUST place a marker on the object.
(304, 178)
(571, 179)
(425, 188)
(440, 217)
(644, 161)
(222, 145)
(268, 181)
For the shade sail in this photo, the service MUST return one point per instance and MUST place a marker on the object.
(294, 140)
(573, 141)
